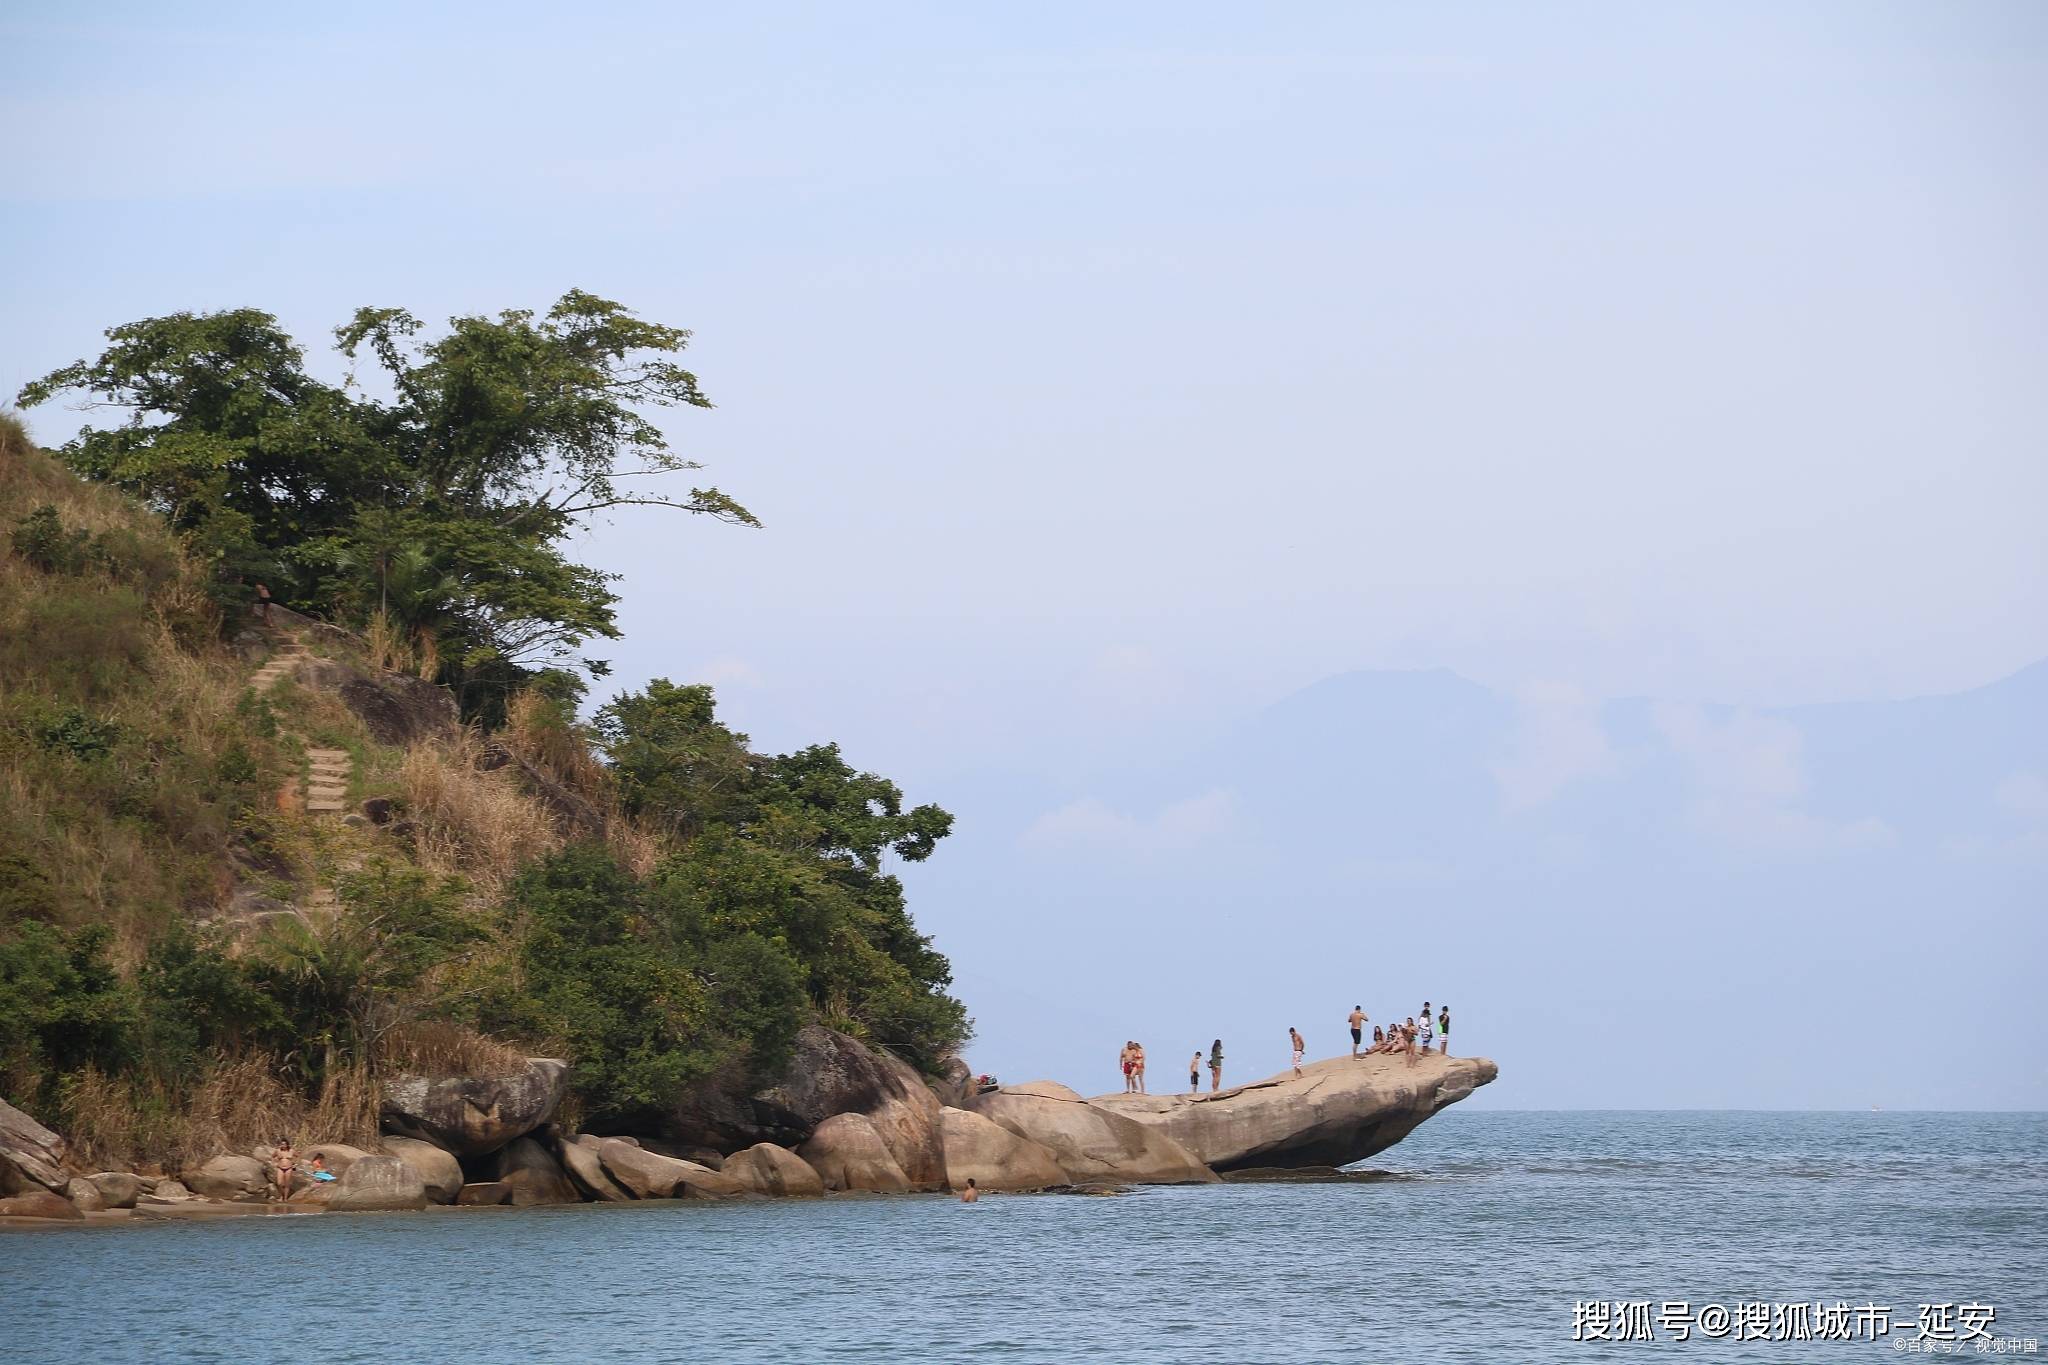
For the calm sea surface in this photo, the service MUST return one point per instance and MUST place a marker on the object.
(1496, 1225)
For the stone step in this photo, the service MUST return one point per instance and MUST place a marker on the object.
(324, 807)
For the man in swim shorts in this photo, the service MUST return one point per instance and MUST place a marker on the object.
(1358, 1017)
(1294, 1037)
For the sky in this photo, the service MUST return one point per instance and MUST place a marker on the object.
(1104, 377)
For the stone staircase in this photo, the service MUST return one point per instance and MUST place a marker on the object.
(327, 770)
(327, 780)
(280, 665)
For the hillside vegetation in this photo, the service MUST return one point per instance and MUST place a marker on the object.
(191, 960)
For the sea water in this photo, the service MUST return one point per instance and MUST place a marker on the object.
(1487, 1241)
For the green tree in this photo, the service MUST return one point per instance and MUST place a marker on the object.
(448, 500)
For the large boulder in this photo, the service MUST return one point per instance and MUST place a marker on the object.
(848, 1153)
(832, 1074)
(1051, 1090)
(376, 1183)
(39, 1203)
(1334, 1113)
(31, 1156)
(338, 1156)
(580, 1160)
(439, 1171)
(953, 1084)
(1094, 1143)
(534, 1176)
(765, 1168)
(472, 1115)
(649, 1175)
(397, 708)
(995, 1158)
(84, 1195)
(231, 1176)
(484, 1193)
(118, 1189)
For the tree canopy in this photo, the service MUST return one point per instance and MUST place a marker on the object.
(441, 505)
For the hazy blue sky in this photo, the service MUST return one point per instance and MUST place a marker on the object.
(1104, 374)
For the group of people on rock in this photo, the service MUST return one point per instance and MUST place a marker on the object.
(1407, 1036)
(1413, 1036)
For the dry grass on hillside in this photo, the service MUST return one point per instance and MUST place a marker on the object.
(125, 749)
(480, 825)
(238, 1104)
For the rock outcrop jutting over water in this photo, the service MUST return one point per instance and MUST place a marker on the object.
(1334, 1113)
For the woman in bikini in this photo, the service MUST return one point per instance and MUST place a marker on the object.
(282, 1161)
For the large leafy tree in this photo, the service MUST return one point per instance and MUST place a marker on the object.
(788, 848)
(443, 500)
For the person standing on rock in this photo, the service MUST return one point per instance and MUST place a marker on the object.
(1215, 1066)
(282, 1162)
(1358, 1018)
(1300, 1048)
(1123, 1061)
(263, 604)
(1408, 1038)
(1443, 1026)
(1428, 1026)
(1138, 1065)
(1195, 1072)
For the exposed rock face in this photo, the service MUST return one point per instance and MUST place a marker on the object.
(484, 1192)
(994, 1157)
(438, 1170)
(472, 1115)
(649, 1175)
(39, 1203)
(1334, 1113)
(118, 1189)
(1050, 1090)
(399, 709)
(84, 1195)
(230, 1176)
(580, 1160)
(829, 1073)
(833, 1074)
(955, 1082)
(765, 1168)
(533, 1176)
(31, 1156)
(1091, 1142)
(848, 1153)
(377, 1182)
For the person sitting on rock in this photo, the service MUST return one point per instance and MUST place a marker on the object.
(317, 1168)
(1379, 1040)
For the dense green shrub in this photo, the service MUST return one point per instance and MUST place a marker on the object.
(62, 1007)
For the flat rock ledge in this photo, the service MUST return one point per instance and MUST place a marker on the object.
(1335, 1113)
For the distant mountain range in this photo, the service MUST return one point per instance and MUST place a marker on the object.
(1720, 896)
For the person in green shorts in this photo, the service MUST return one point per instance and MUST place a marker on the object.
(1443, 1030)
